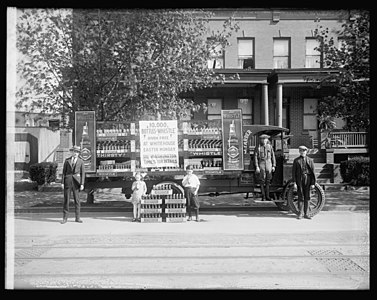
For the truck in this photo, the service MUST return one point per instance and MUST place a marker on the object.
(221, 152)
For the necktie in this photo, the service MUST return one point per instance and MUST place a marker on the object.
(304, 165)
(73, 162)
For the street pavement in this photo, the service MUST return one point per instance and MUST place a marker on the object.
(226, 250)
(239, 244)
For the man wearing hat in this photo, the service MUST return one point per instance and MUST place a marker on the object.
(265, 163)
(191, 184)
(304, 179)
(73, 180)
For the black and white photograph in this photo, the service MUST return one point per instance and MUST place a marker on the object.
(190, 148)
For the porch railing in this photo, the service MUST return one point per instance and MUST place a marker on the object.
(348, 139)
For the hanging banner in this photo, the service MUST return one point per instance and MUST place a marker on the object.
(231, 121)
(159, 144)
(85, 137)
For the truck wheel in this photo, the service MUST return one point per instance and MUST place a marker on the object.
(284, 196)
(316, 202)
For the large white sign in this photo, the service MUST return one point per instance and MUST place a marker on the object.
(159, 144)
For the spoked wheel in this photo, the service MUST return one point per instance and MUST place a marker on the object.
(284, 206)
(316, 202)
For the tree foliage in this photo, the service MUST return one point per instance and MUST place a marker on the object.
(122, 64)
(351, 58)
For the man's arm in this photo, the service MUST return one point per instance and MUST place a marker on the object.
(313, 170)
(256, 158)
(64, 172)
(82, 172)
(273, 159)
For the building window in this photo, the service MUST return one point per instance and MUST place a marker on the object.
(246, 106)
(245, 53)
(313, 57)
(214, 109)
(282, 53)
(310, 114)
(217, 56)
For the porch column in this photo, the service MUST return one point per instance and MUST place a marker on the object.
(279, 104)
(265, 103)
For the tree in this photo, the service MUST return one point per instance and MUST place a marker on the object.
(351, 58)
(122, 64)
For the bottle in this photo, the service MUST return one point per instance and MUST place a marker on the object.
(86, 147)
(233, 147)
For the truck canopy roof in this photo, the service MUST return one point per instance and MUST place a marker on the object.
(271, 130)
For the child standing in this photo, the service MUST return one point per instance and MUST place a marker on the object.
(139, 189)
(191, 184)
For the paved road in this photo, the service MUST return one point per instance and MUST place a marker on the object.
(227, 250)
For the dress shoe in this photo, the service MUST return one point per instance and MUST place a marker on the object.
(64, 221)
(197, 220)
(78, 220)
(307, 217)
(189, 219)
(299, 216)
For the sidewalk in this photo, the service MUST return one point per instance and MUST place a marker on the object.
(30, 200)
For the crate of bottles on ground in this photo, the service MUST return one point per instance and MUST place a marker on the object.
(161, 205)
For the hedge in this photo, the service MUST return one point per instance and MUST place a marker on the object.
(44, 172)
(355, 171)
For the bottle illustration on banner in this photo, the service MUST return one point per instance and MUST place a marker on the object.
(233, 146)
(86, 146)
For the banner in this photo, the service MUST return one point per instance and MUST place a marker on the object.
(158, 144)
(231, 121)
(85, 138)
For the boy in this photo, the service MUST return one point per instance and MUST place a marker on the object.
(191, 184)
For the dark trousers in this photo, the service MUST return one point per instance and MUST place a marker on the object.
(192, 201)
(264, 181)
(76, 197)
(303, 193)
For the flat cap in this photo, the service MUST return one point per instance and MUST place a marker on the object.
(303, 148)
(189, 167)
(264, 136)
(75, 149)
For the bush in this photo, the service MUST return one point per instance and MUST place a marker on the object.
(44, 172)
(355, 171)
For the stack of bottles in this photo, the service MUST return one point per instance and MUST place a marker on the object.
(115, 132)
(205, 145)
(175, 208)
(151, 209)
(113, 148)
(201, 131)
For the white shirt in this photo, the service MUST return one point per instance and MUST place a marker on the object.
(191, 181)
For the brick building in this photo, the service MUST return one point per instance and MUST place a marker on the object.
(273, 53)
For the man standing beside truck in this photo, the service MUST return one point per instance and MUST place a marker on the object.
(265, 163)
(73, 180)
(303, 175)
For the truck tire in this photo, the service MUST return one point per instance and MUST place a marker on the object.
(316, 203)
(284, 206)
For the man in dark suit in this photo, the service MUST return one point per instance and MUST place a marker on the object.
(303, 175)
(73, 180)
